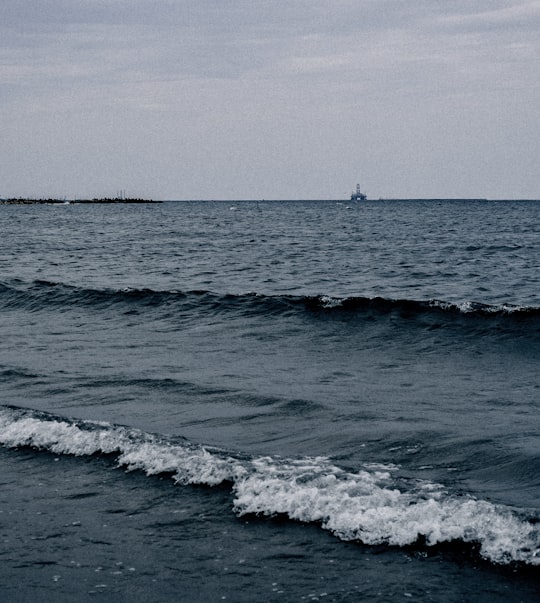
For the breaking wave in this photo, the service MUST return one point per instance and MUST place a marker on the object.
(372, 505)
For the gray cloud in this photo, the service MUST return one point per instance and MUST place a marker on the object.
(426, 97)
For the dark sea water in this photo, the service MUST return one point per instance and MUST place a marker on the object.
(270, 401)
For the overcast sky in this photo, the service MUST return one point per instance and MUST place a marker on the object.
(250, 99)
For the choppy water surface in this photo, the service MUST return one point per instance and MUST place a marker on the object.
(277, 400)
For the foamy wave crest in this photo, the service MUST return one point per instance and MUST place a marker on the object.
(188, 463)
(372, 505)
(328, 302)
(369, 507)
(471, 307)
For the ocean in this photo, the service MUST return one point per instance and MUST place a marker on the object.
(270, 401)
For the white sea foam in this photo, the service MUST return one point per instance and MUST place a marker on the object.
(363, 506)
(369, 505)
(189, 465)
(468, 307)
(136, 450)
(330, 302)
(60, 437)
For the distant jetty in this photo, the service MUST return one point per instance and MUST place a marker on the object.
(103, 200)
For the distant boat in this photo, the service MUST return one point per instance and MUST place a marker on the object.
(358, 195)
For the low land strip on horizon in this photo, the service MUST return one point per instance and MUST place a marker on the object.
(24, 201)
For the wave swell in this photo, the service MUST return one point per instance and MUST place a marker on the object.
(44, 295)
(372, 505)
